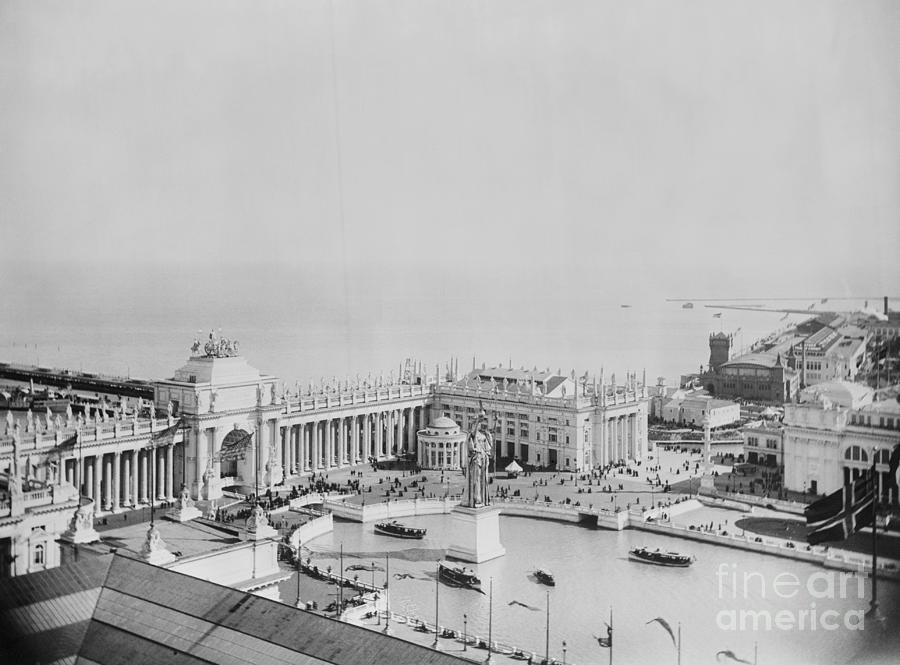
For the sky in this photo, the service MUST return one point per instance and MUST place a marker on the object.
(451, 149)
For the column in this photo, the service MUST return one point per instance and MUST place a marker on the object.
(126, 479)
(398, 432)
(366, 436)
(89, 478)
(77, 474)
(170, 476)
(116, 485)
(342, 436)
(379, 434)
(144, 460)
(98, 477)
(317, 446)
(107, 483)
(135, 478)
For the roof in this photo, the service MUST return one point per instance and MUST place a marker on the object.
(113, 610)
(839, 393)
(755, 359)
(444, 422)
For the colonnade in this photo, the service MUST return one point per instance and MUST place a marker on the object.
(124, 479)
(338, 440)
(620, 438)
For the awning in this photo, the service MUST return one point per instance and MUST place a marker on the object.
(513, 467)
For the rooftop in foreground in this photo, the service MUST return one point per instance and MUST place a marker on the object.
(117, 610)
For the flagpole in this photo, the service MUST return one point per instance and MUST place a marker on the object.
(873, 605)
(437, 592)
(755, 652)
(679, 643)
(341, 584)
(488, 661)
(547, 641)
(610, 635)
(387, 594)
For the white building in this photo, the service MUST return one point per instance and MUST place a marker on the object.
(442, 445)
(546, 419)
(763, 443)
(691, 409)
(831, 435)
(33, 516)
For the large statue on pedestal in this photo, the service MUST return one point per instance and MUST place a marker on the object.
(478, 531)
(479, 447)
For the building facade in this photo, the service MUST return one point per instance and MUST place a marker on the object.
(549, 420)
(763, 443)
(692, 409)
(832, 435)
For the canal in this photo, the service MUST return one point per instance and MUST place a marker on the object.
(794, 614)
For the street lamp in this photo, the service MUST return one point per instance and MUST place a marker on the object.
(564, 652)
(465, 631)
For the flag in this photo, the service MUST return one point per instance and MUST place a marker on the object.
(234, 450)
(59, 451)
(605, 642)
(164, 437)
(730, 654)
(842, 513)
(894, 464)
(665, 624)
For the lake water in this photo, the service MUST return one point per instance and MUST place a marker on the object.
(305, 331)
(593, 573)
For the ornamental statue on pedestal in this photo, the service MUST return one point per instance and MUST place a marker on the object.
(479, 446)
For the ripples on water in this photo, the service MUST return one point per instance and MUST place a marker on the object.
(593, 573)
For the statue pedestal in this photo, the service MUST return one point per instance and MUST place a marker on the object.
(183, 514)
(154, 549)
(707, 484)
(81, 528)
(212, 490)
(480, 534)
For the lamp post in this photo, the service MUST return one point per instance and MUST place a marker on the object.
(465, 631)
(564, 652)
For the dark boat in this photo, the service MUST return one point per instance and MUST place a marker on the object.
(544, 576)
(688, 305)
(458, 575)
(399, 530)
(660, 558)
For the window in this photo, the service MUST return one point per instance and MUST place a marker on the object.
(856, 454)
(38, 558)
(511, 431)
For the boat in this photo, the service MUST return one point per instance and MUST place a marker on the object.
(688, 305)
(458, 575)
(625, 306)
(660, 558)
(544, 576)
(398, 530)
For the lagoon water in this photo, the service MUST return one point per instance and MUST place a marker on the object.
(593, 573)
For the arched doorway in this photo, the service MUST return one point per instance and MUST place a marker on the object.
(234, 448)
(856, 463)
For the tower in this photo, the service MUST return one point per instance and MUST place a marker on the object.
(719, 350)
